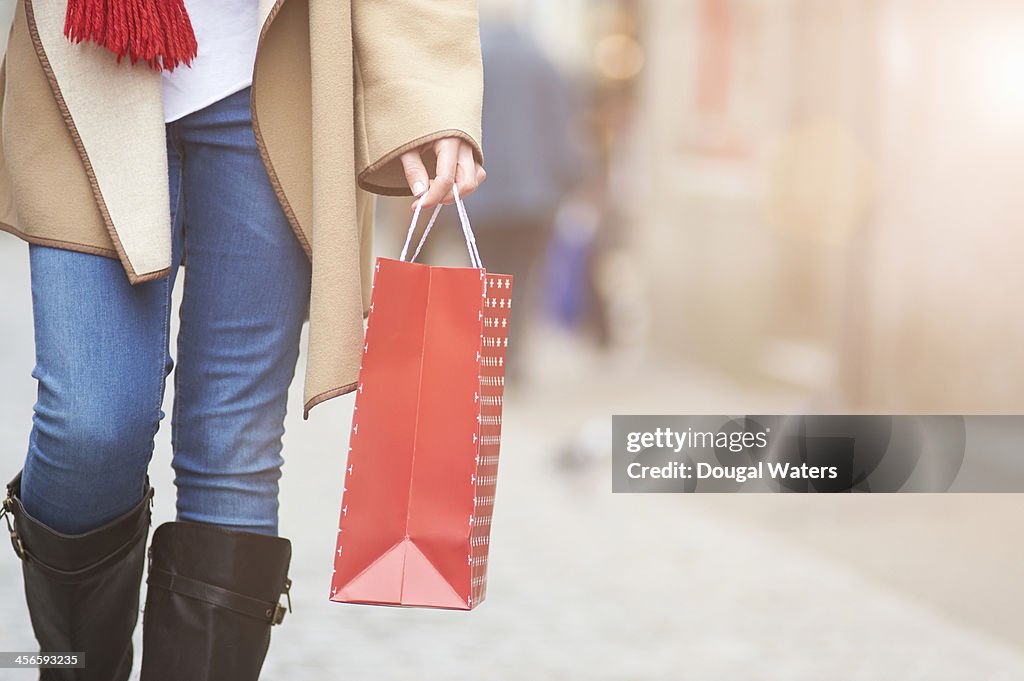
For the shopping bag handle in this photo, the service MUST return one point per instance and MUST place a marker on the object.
(467, 229)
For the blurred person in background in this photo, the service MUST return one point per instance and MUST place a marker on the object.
(531, 163)
(255, 182)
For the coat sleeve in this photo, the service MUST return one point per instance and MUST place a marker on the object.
(418, 78)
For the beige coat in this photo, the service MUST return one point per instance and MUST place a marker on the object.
(341, 89)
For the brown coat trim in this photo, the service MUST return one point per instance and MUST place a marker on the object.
(133, 277)
(409, 146)
(79, 248)
(58, 243)
(326, 395)
(275, 182)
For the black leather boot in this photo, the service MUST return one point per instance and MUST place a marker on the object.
(82, 590)
(213, 597)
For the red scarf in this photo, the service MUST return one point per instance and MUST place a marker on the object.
(157, 32)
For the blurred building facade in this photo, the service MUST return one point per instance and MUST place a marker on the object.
(758, 120)
(820, 194)
(832, 200)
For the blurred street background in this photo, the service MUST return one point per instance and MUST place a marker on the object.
(710, 206)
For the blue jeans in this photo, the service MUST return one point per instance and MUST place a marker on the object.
(102, 348)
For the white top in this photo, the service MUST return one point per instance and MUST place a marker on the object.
(227, 32)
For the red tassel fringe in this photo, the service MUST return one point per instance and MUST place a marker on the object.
(157, 32)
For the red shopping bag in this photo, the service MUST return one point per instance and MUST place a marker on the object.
(423, 457)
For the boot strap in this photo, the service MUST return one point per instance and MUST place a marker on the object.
(9, 510)
(267, 611)
(75, 576)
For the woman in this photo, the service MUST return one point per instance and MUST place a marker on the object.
(263, 135)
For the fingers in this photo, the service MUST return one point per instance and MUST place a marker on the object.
(447, 151)
(455, 163)
(466, 175)
(415, 172)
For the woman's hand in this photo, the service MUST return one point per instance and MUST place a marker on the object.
(455, 165)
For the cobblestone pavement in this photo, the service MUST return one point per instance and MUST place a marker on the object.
(589, 585)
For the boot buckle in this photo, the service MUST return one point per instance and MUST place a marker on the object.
(280, 610)
(19, 548)
(6, 512)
